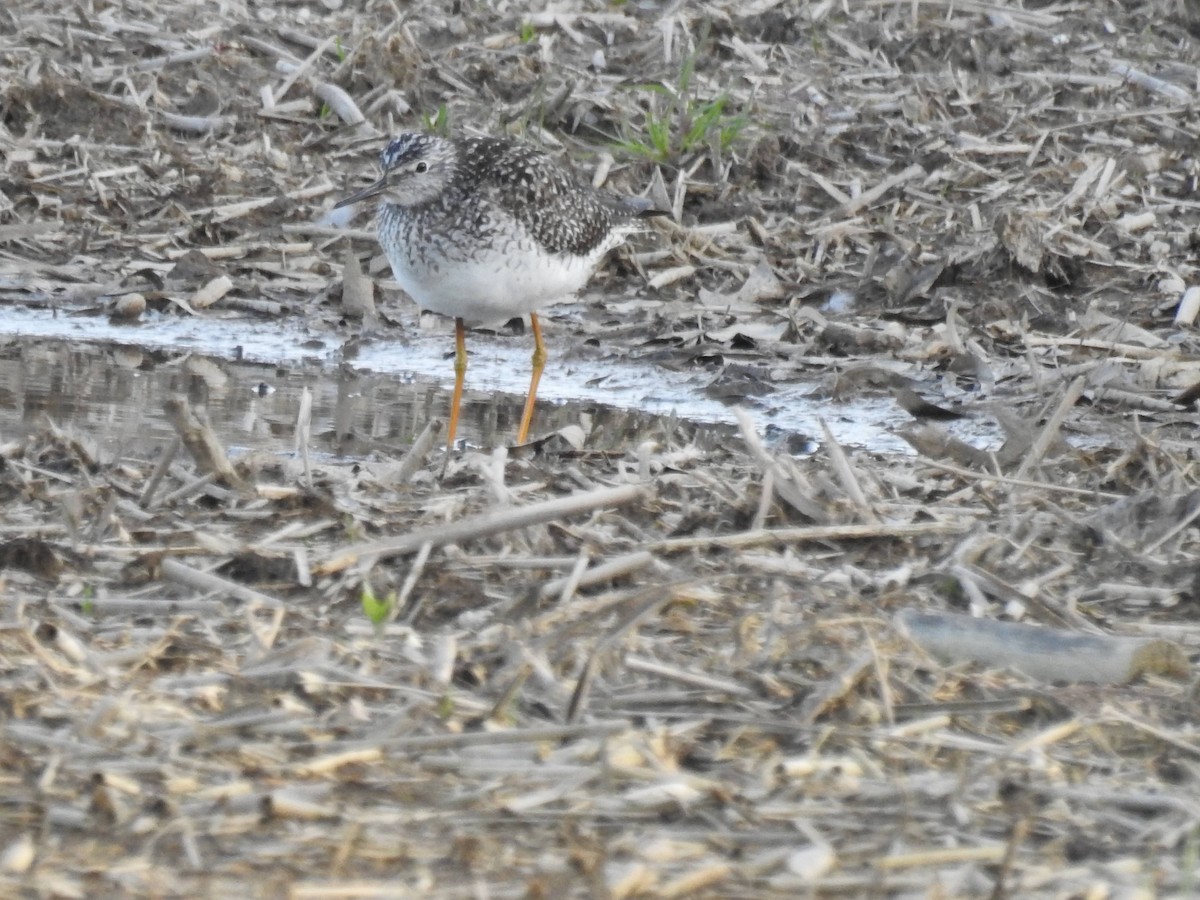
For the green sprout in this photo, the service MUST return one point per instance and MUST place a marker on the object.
(439, 122)
(677, 122)
(377, 609)
(528, 32)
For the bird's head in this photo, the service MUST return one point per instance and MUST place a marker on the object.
(415, 168)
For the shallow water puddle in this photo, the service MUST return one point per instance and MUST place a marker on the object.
(112, 396)
(108, 381)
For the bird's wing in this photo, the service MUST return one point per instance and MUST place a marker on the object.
(561, 214)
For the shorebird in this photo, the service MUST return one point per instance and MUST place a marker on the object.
(487, 229)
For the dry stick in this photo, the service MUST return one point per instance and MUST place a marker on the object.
(493, 474)
(1166, 735)
(1149, 82)
(304, 433)
(102, 521)
(174, 570)
(1135, 400)
(568, 585)
(201, 441)
(255, 305)
(953, 339)
(692, 679)
(1173, 530)
(212, 291)
(941, 856)
(607, 571)
(412, 460)
(510, 693)
(785, 478)
(1133, 351)
(304, 39)
(191, 847)
(268, 634)
(513, 736)
(845, 473)
(902, 531)
(764, 501)
(161, 62)
(555, 563)
(930, 441)
(1013, 482)
(158, 607)
(227, 211)
(268, 49)
(886, 696)
(303, 572)
(294, 72)
(1138, 801)
(835, 688)
(243, 249)
(410, 582)
(645, 456)
(1050, 433)
(660, 595)
(339, 102)
(971, 587)
(1047, 23)
(195, 124)
(358, 291)
(1047, 654)
(483, 525)
(159, 471)
(193, 487)
(866, 198)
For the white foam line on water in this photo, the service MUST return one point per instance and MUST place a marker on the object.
(265, 342)
(496, 364)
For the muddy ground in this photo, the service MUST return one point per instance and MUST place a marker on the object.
(642, 657)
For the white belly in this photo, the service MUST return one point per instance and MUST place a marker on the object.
(495, 287)
(485, 285)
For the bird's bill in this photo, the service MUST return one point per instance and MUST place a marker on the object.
(366, 193)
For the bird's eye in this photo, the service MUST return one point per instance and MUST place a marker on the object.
(421, 167)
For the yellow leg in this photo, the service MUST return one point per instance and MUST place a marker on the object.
(539, 363)
(460, 374)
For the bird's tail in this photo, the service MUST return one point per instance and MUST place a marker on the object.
(642, 208)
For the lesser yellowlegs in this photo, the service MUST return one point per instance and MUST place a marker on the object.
(486, 229)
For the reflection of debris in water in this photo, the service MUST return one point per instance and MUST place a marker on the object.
(393, 372)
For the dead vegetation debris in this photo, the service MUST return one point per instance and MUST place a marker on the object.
(623, 665)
